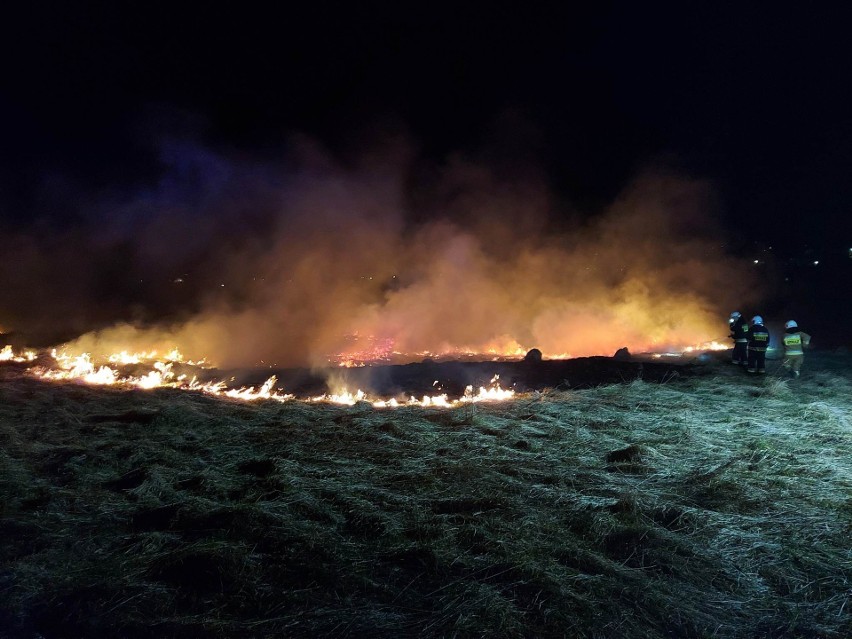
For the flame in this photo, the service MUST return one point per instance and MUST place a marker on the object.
(490, 394)
(698, 348)
(348, 398)
(707, 346)
(161, 373)
(83, 368)
(8, 355)
(380, 351)
(173, 355)
(372, 350)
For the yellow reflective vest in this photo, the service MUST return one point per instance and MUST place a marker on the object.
(794, 343)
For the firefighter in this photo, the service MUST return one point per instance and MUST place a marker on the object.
(739, 333)
(795, 341)
(758, 342)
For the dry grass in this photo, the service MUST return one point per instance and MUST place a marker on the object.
(710, 506)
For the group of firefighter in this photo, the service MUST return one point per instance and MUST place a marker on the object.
(751, 342)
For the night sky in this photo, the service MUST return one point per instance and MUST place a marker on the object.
(752, 99)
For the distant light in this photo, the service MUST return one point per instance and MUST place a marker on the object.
(757, 261)
(816, 262)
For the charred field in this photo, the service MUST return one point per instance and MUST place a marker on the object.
(452, 377)
(698, 504)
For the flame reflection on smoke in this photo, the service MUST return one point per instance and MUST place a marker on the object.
(338, 263)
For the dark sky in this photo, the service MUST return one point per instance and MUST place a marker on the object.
(754, 99)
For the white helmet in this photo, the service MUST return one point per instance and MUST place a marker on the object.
(791, 324)
(757, 319)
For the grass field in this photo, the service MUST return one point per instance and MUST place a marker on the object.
(714, 505)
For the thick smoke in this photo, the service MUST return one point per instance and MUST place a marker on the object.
(313, 259)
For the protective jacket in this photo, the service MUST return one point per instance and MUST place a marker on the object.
(795, 341)
(758, 338)
(739, 330)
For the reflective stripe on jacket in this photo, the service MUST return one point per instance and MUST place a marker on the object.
(794, 343)
(758, 338)
(739, 331)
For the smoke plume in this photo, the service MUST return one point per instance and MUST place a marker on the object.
(316, 260)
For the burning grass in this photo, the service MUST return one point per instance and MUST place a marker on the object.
(714, 505)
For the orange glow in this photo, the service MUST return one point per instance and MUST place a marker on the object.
(698, 348)
(353, 282)
(506, 351)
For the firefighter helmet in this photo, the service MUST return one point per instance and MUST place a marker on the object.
(735, 316)
(757, 319)
(791, 324)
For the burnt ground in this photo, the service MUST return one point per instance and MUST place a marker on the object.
(431, 377)
(452, 377)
